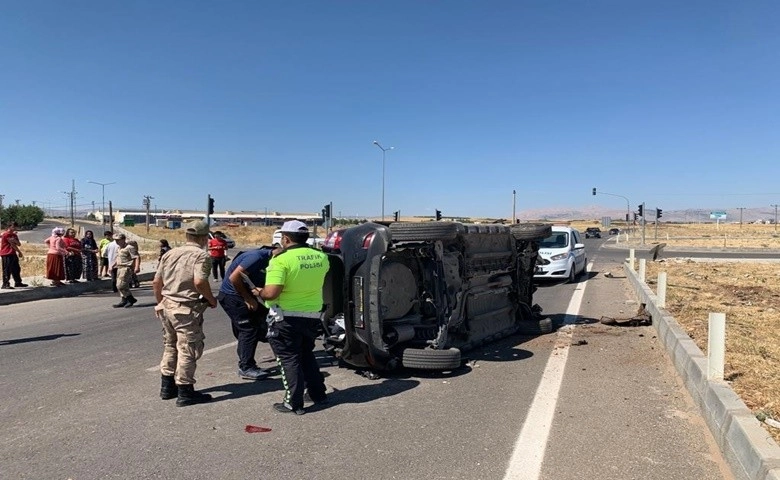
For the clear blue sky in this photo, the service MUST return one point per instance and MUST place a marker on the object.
(275, 105)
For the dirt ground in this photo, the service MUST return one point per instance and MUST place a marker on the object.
(749, 294)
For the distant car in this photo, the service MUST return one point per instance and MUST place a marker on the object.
(230, 242)
(594, 232)
(614, 231)
(313, 240)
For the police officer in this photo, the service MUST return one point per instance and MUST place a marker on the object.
(181, 288)
(247, 315)
(293, 293)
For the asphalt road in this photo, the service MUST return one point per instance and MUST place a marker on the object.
(43, 230)
(81, 401)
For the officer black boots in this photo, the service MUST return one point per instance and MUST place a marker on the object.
(131, 301)
(188, 396)
(121, 304)
(168, 389)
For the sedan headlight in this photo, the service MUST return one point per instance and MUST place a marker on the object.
(560, 256)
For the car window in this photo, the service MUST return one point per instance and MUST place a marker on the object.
(556, 240)
(576, 236)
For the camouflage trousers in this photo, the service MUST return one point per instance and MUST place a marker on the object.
(124, 276)
(182, 327)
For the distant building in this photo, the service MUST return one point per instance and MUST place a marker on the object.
(166, 218)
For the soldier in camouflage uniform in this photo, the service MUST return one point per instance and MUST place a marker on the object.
(128, 262)
(181, 288)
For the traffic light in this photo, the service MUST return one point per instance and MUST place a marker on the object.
(641, 210)
(594, 190)
(438, 215)
(396, 215)
(658, 213)
(210, 209)
(326, 211)
(324, 216)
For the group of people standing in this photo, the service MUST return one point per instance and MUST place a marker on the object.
(70, 259)
(269, 295)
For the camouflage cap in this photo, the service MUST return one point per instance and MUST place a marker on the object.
(198, 228)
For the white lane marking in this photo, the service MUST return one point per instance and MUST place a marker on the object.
(205, 352)
(528, 453)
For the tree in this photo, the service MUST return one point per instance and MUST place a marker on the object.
(27, 216)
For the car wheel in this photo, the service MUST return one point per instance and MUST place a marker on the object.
(584, 271)
(535, 327)
(531, 231)
(423, 231)
(430, 359)
(573, 273)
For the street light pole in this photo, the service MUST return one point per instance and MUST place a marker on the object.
(775, 205)
(514, 203)
(103, 204)
(384, 150)
(628, 205)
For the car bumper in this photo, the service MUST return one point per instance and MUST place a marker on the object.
(557, 269)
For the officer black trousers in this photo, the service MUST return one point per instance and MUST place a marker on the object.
(292, 341)
(248, 327)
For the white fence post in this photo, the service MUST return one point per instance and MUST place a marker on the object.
(716, 346)
(642, 269)
(661, 293)
(631, 258)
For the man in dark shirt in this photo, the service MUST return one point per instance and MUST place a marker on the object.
(247, 315)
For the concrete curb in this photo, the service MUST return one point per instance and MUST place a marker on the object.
(10, 297)
(750, 451)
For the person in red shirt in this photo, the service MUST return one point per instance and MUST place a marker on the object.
(10, 253)
(218, 252)
(74, 266)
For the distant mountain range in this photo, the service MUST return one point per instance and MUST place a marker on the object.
(748, 215)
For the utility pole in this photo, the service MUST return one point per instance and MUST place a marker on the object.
(111, 215)
(773, 205)
(147, 204)
(73, 204)
(740, 215)
(514, 198)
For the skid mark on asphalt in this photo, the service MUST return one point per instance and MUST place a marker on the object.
(528, 453)
(205, 352)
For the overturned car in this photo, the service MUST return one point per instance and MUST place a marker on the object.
(417, 294)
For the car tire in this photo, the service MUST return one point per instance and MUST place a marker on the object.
(430, 359)
(573, 273)
(401, 232)
(535, 327)
(531, 231)
(584, 271)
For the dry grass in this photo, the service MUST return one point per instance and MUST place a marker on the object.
(749, 294)
(34, 262)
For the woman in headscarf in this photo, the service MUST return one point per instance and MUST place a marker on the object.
(73, 265)
(55, 265)
(89, 249)
(164, 247)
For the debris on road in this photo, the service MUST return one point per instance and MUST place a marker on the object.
(256, 429)
(642, 318)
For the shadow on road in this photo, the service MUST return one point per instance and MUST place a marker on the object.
(366, 393)
(42, 338)
(244, 389)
